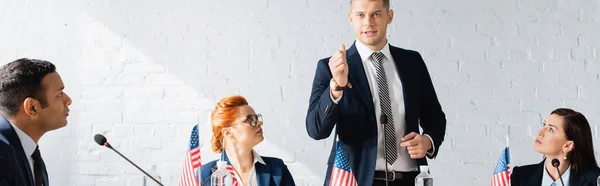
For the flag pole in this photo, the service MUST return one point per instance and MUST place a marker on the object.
(198, 173)
(507, 144)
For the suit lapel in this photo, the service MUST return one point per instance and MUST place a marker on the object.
(262, 171)
(263, 176)
(403, 73)
(7, 130)
(576, 179)
(358, 78)
(536, 177)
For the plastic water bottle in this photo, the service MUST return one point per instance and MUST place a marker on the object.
(598, 181)
(148, 181)
(221, 177)
(424, 178)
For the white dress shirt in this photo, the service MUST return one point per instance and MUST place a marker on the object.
(404, 163)
(252, 181)
(28, 145)
(547, 180)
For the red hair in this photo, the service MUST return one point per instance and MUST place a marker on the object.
(225, 113)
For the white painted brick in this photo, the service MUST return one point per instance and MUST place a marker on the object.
(180, 92)
(146, 117)
(142, 68)
(100, 169)
(91, 105)
(109, 117)
(465, 92)
(490, 79)
(166, 131)
(565, 92)
(582, 53)
(101, 93)
(141, 92)
(589, 110)
(173, 105)
(144, 130)
(592, 67)
(558, 42)
(118, 180)
(121, 130)
(564, 66)
(87, 156)
(589, 40)
(519, 54)
(514, 41)
(513, 93)
(91, 79)
(182, 117)
(132, 106)
(84, 180)
(160, 79)
(125, 79)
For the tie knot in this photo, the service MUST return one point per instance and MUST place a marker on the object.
(36, 154)
(377, 56)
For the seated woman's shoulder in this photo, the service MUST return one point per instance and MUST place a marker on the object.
(526, 168)
(272, 160)
(593, 172)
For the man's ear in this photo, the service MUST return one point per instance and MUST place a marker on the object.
(31, 106)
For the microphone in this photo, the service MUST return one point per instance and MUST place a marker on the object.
(556, 163)
(384, 121)
(101, 140)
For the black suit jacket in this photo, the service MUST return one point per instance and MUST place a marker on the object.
(275, 172)
(355, 118)
(532, 175)
(14, 166)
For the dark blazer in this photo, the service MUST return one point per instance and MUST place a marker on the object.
(14, 166)
(355, 113)
(532, 175)
(275, 172)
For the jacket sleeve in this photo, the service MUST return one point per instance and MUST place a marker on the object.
(431, 117)
(323, 113)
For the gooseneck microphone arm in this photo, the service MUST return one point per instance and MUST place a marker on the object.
(556, 163)
(384, 121)
(101, 140)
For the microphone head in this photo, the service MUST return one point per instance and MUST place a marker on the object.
(100, 139)
(555, 162)
(384, 119)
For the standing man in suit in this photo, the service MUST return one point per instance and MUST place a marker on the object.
(353, 89)
(32, 102)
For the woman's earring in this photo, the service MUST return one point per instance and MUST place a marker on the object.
(565, 157)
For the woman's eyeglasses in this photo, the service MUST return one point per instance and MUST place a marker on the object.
(250, 119)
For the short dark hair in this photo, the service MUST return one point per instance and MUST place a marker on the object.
(577, 129)
(21, 79)
(386, 3)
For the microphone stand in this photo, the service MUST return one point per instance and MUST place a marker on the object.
(110, 147)
(383, 119)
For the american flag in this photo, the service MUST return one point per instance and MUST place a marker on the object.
(230, 169)
(191, 166)
(341, 174)
(502, 170)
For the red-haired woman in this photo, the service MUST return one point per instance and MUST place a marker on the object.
(236, 130)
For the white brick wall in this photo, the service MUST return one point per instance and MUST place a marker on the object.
(144, 72)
